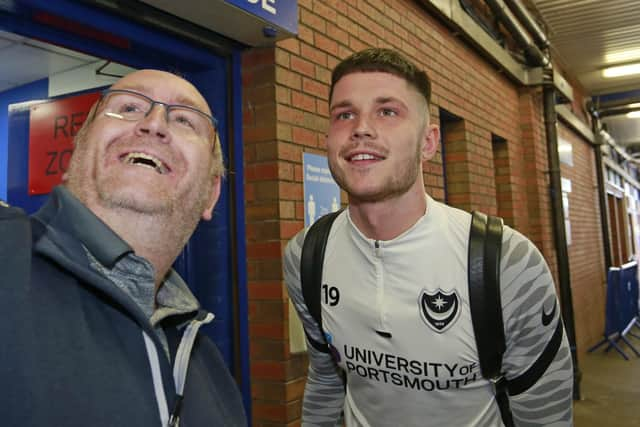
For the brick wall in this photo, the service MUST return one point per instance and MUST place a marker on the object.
(586, 257)
(536, 179)
(285, 114)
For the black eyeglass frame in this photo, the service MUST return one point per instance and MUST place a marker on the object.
(167, 107)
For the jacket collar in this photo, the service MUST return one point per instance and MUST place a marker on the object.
(72, 226)
(65, 212)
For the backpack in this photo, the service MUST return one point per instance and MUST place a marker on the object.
(485, 242)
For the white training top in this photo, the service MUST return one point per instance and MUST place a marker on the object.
(396, 314)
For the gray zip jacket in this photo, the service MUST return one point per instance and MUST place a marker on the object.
(78, 350)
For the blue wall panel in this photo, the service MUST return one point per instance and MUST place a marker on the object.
(31, 91)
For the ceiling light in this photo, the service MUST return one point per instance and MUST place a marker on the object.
(634, 115)
(622, 70)
(622, 56)
(634, 105)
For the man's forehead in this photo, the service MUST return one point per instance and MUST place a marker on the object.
(164, 87)
(378, 84)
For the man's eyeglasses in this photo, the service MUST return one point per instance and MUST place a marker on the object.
(183, 120)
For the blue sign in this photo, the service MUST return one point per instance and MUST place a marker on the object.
(282, 13)
(321, 193)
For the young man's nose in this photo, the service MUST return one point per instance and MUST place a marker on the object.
(363, 128)
(154, 123)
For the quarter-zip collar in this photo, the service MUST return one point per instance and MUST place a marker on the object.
(64, 211)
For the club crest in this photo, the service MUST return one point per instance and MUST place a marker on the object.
(440, 309)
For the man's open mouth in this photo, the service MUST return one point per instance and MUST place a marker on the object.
(364, 156)
(146, 160)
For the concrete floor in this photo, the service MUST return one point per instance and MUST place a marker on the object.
(610, 388)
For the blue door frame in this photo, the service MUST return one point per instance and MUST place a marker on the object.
(214, 260)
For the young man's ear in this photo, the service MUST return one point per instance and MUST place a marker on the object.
(213, 199)
(430, 142)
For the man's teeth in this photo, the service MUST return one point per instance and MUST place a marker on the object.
(142, 159)
(363, 157)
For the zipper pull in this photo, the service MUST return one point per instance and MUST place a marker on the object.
(174, 419)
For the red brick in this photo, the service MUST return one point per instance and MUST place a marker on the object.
(264, 230)
(263, 250)
(267, 210)
(326, 44)
(291, 44)
(259, 133)
(303, 101)
(289, 152)
(282, 95)
(313, 54)
(323, 108)
(290, 191)
(268, 349)
(289, 115)
(257, 57)
(337, 34)
(261, 171)
(302, 66)
(286, 171)
(266, 330)
(287, 207)
(368, 37)
(325, 11)
(312, 20)
(283, 58)
(268, 370)
(265, 290)
(304, 136)
(288, 78)
(284, 132)
(305, 34)
(289, 229)
(357, 45)
(315, 88)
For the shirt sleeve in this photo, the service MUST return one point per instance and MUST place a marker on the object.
(324, 391)
(531, 313)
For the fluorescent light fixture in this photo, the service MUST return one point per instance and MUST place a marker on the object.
(634, 115)
(634, 105)
(622, 56)
(621, 70)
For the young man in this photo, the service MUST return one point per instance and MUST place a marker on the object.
(104, 332)
(408, 363)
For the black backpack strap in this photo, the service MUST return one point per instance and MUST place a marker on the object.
(311, 261)
(485, 243)
(527, 379)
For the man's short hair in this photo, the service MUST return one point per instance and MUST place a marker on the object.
(386, 61)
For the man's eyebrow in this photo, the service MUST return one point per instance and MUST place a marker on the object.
(341, 104)
(387, 99)
(378, 100)
(189, 102)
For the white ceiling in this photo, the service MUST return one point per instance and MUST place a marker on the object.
(589, 35)
(30, 60)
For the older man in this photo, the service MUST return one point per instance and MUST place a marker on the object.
(104, 332)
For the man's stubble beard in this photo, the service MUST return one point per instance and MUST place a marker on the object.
(173, 213)
(177, 214)
(393, 187)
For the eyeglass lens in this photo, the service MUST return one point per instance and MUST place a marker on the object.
(181, 119)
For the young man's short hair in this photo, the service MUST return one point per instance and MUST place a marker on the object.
(386, 61)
